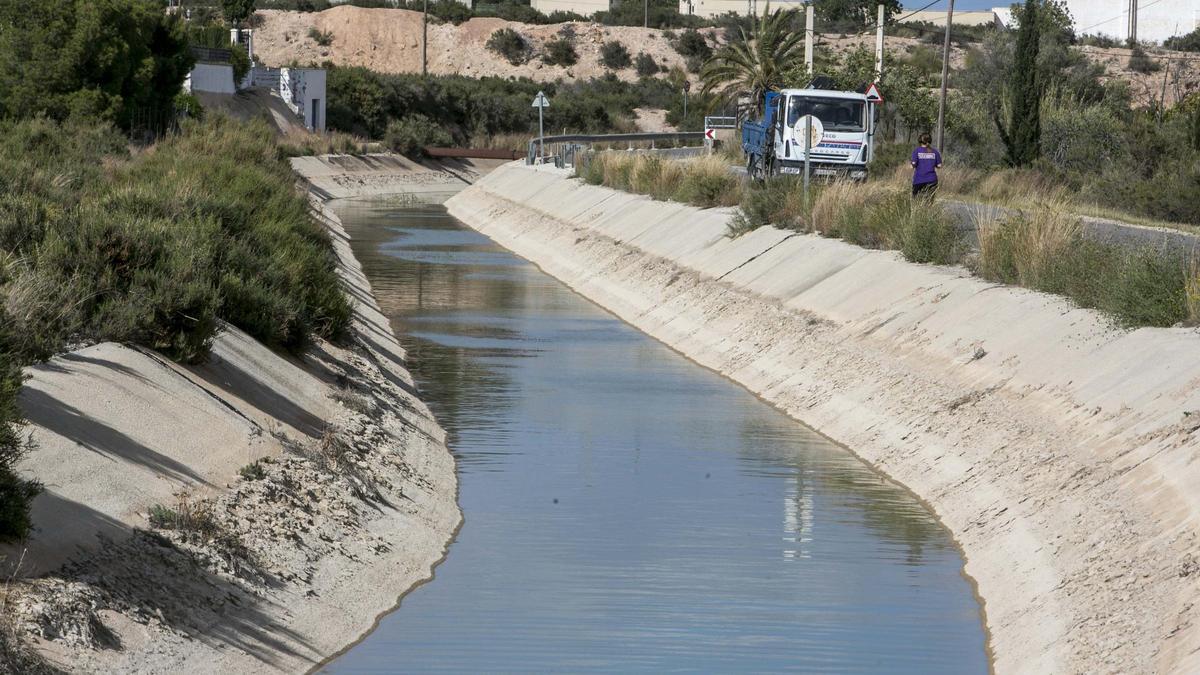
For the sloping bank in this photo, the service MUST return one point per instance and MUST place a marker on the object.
(254, 513)
(1059, 450)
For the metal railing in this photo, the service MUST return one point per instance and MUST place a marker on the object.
(720, 122)
(563, 149)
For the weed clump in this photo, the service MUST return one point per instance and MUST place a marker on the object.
(615, 56)
(1045, 250)
(510, 44)
(559, 52)
(705, 182)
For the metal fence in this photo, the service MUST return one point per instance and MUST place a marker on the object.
(562, 150)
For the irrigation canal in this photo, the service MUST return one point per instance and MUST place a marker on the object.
(627, 510)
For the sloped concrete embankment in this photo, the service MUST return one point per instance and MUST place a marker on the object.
(345, 176)
(1059, 450)
(274, 570)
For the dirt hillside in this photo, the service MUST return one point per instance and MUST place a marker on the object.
(389, 41)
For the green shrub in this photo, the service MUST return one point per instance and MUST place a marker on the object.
(691, 44)
(645, 65)
(1045, 250)
(322, 38)
(410, 135)
(615, 56)
(16, 493)
(1186, 43)
(777, 201)
(510, 44)
(1141, 62)
(559, 52)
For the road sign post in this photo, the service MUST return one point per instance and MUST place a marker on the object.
(541, 102)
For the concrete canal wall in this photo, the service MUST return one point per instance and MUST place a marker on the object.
(276, 572)
(1061, 451)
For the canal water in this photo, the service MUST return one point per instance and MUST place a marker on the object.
(629, 511)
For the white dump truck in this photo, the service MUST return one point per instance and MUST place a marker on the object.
(841, 128)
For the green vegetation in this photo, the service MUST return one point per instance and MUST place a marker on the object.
(153, 249)
(559, 52)
(322, 38)
(1022, 136)
(758, 62)
(1045, 250)
(1184, 43)
(646, 65)
(705, 182)
(114, 60)
(1141, 62)
(364, 103)
(510, 44)
(410, 135)
(615, 56)
(237, 11)
(15, 492)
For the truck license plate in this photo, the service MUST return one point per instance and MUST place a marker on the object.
(790, 169)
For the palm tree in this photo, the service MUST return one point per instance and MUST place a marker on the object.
(757, 62)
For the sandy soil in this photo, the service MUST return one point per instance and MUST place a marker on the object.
(1060, 450)
(277, 570)
(389, 41)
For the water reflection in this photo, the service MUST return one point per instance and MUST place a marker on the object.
(627, 510)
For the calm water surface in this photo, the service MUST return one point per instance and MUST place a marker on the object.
(627, 510)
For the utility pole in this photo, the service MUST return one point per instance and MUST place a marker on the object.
(879, 46)
(645, 16)
(808, 39)
(425, 39)
(941, 123)
(1133, 10)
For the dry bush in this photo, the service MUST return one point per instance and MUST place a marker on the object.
(842, 204)
(1023, 249)
(1192, 288)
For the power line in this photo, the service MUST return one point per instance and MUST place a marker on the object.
(1139, 11)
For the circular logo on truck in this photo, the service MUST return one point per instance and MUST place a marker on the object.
(816, 131)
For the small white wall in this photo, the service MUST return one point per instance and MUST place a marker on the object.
(216, 78)
(710, 8)
(938, 17)
(303, 89)
(584, 7)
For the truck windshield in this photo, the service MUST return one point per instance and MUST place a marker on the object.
(836, 114)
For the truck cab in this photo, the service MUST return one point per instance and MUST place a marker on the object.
(843, 149)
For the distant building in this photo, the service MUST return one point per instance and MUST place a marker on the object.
(938, 18)
(1157, 20)
(710, 8)
(584, 7)
(303, 90)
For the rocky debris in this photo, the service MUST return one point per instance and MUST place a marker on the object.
(203, 561)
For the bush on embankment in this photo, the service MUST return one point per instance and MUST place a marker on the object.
(153, 249)
(705, 182)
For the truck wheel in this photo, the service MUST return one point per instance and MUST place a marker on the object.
(751, 167)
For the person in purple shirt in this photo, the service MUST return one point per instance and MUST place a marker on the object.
(925, 161)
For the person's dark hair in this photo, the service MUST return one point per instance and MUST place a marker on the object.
(925, 139)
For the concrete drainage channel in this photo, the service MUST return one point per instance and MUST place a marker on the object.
(1056, 447)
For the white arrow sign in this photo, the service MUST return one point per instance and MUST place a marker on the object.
(710, 134)
(540, 101)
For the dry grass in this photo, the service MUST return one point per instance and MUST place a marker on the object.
(1192, 291)
(705, 181)
(303, 143)
(1023, 250)
(515, 142)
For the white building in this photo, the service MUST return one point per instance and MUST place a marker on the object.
(1157, 20)
(710, 8)
(303, 90)
(584, 7)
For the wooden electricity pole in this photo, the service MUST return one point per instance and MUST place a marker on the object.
(941, 123)
(425, 39)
